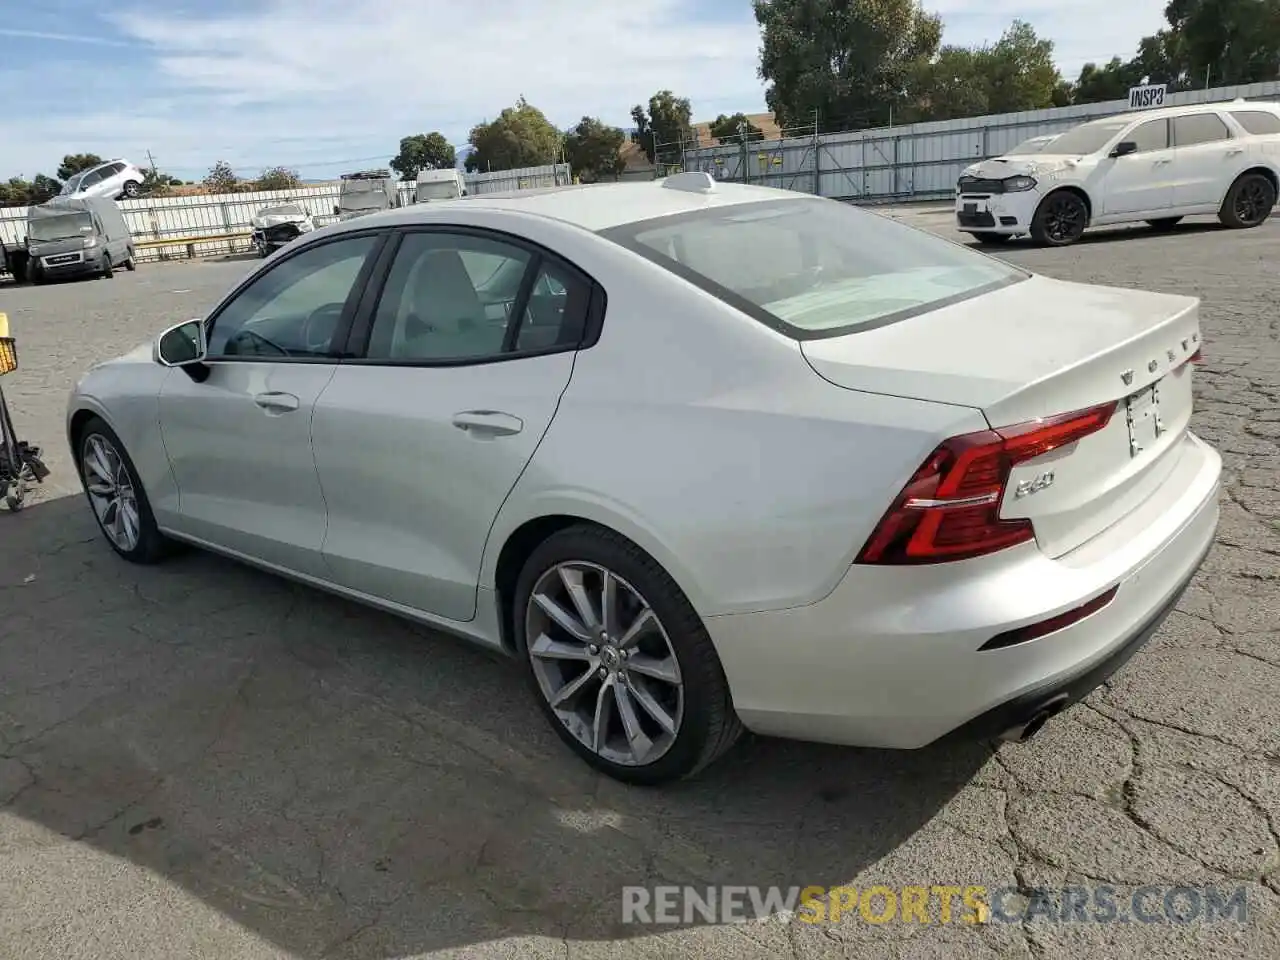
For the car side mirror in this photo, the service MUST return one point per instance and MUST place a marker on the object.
(1124, 148)
(182, 345)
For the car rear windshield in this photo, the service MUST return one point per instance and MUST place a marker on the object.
(814, 268)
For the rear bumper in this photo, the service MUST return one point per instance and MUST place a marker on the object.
(1004, 213)
(891, 658)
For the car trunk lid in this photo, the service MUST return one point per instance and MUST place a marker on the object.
(1038, 349)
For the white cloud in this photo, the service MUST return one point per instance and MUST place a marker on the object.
(316, 82)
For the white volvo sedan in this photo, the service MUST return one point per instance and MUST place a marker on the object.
(699, 456)
(1158, 166)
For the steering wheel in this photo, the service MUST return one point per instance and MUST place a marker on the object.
(320, 326)
(256, 337)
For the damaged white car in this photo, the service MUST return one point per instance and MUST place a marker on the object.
(1158, 166)
(275, 226)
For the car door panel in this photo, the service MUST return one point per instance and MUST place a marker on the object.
(1140, 182)
(419, 444)
(239, 438)
(245, 473)
(415, 463)
(1207, 159)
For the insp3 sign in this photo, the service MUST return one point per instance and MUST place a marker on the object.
(1151, 95)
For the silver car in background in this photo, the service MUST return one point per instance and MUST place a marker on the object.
(113, 179)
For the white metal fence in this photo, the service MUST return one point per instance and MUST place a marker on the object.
(919, 161)
(227, 216)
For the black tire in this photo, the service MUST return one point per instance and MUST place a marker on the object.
(709, 726)
(1164, 223)
(132, 189)
(152, 546)
(1060, 219)
(131, 264)
(108, 271)
(1249, 202)
(993, 238)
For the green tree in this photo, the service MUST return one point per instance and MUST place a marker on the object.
(851, 62)
(735, 128)
(424, 151)
(1223, 41)
(593, 149)
(520, 136)
(1019, 71)
(667, 123)
(221, 178)
(19, 191)
(278, 178)
(73, 163)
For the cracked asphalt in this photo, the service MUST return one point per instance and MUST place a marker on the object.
(199, 760)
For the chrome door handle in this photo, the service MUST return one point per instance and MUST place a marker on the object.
(276, 403)
(487, 423)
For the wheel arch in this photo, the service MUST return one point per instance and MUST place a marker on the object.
(503, 564)
(1076, 189)
(1258, 168)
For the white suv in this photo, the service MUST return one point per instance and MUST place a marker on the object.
(1158, 166)
(113, 179)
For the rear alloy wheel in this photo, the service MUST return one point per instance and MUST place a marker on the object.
(1060, 219)
(115, 493)
(1164, 223)
(993, 238)
(1249, 202)
(621, 663)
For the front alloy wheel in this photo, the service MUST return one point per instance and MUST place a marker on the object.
(116, 495)
(604, 663)
(111, 493)
(1060, 219)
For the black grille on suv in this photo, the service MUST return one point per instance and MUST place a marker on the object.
(980, 185)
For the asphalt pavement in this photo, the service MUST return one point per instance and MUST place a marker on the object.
(200, 760)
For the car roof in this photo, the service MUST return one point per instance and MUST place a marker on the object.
(1186, 108)
(595, 207)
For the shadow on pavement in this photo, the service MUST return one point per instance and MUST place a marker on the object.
(343, 784)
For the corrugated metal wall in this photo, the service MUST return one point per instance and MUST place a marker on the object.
(171, 218)
(919, 161)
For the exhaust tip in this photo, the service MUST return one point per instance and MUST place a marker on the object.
(1022, 732)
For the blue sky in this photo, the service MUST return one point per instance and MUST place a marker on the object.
(322, 85)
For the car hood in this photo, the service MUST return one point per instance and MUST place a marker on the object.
(279, 220)
(997, 168)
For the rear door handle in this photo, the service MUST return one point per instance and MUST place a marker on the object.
(276, 403)
(482, 424)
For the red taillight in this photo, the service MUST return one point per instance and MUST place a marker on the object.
(949, 510)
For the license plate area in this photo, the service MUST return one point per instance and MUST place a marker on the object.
(1142, 415)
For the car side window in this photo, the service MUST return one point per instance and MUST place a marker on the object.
(294, 309)
(447, 297)
(556, 313)
(1199, 128)
(1152, 135)
(1257, 122)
